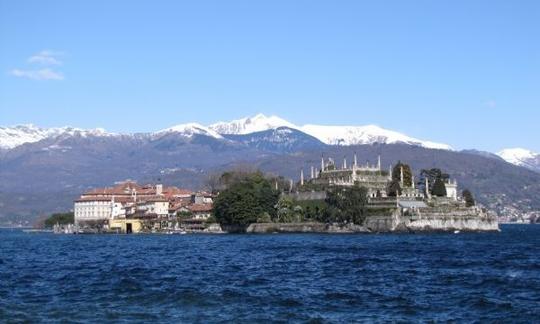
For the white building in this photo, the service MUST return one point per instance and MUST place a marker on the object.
(96, 209)
(451, 189)
(158, 206)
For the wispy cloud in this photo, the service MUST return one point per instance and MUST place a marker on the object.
(42, 74)
(46, 58)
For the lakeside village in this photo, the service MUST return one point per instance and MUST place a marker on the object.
(333, 199)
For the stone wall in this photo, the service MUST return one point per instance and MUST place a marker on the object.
(437, 222)
(307, 195)
(312, 227)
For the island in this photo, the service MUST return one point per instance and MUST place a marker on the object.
(345, 198)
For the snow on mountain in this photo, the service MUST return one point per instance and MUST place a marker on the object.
(521, 157)
(356, 135)
(189, 130)
(332, 135)
(11, 137)
(249, 125)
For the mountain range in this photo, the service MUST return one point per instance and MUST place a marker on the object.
(11, 137)
(43, 170)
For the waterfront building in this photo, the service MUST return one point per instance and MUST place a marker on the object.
(126, 199)
(98, 208)
(200, 211)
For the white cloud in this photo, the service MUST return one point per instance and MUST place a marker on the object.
(46, 58)
(42, 74)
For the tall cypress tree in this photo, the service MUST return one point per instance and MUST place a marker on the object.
(439, 189)
(394, 189)
(469, 199)
(407, 174)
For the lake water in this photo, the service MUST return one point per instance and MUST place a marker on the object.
(256, 278)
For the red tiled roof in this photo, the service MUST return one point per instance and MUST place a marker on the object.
(93, 199)
(177, 205)
(200, 207)
(116, 199)
(154, 199)
(130, 187)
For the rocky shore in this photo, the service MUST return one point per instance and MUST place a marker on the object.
(384, 224)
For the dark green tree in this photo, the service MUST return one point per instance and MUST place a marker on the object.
(346, 205)
(59, 218)
(407, 174)
(246, 200)
(432, 175)
(439, 189)
(469, 199)
(394, 189)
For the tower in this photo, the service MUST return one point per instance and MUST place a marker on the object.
(379, 163)
(402, 182)
(322, 163)
(301, 177)
(312, 172)
(355, 164)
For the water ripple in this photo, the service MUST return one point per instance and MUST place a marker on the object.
(260, 278)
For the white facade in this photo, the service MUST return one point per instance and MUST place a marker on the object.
(92, 210)
(98, 209)
(118, 210)
(451, 189)
(160, 208)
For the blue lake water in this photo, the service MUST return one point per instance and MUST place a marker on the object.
(257, 278)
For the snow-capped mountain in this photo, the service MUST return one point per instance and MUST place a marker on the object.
(331, 135)
(370, 134)
(189, 130)
(521, 157)
(249, 125)
(11, 137)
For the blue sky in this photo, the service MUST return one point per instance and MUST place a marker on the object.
(466, 73)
